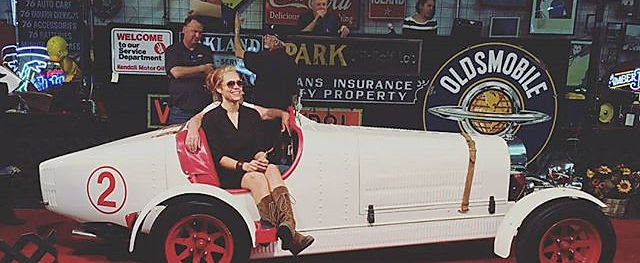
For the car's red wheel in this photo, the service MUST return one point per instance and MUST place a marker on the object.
(567, 231)
(570, 240)
(196, 238)
(197, 232)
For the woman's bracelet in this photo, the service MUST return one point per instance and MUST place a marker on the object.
(239, 165)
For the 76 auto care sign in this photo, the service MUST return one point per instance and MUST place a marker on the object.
(139, 51)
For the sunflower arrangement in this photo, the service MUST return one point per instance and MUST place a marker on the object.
(618, 182)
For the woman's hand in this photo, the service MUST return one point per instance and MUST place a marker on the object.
(255, 166)
(262, 156)
(193, 140)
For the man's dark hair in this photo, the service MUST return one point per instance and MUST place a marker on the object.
(191, 18)
(420, 3)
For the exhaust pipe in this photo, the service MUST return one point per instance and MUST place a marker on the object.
(83, 234)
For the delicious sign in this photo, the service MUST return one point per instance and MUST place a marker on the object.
(287, 12)
(139, 51)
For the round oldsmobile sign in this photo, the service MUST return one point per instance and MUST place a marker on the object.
(494, 89)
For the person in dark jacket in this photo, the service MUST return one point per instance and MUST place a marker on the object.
(319, 21)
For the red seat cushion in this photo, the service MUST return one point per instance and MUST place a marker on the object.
(197, 166)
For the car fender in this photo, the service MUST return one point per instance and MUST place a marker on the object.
(522, 208)
(200, 189)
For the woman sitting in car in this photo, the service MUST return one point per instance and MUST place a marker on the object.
(234, 133)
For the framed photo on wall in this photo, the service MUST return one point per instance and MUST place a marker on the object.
(631, 37)
(553, 17)
(578, 67)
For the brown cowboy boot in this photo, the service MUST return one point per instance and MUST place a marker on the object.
(291, 239)
(300, 242)
(267, 209)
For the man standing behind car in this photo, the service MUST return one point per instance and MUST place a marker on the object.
(187, 63)
(275, 86)
(320, 21)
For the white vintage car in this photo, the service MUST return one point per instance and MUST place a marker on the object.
(355, 188)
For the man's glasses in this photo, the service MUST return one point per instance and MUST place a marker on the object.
(232, 83)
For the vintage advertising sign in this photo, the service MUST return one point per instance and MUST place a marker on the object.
(287, 12)
(387, 9)
(139, 51)
(157, 110)
(354, 70)
(365, 56)
(360, 88)
(222, 47)
(497, 89)
(39, 20)
(347, 117)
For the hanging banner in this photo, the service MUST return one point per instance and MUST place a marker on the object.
(387, 9)
(139, 51)
(287, 12)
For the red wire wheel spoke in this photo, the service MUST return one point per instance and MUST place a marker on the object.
(199, 238)
(570, 240)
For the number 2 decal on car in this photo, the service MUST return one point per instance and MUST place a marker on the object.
(107, 190)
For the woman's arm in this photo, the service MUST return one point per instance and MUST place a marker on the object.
(193, 125)
(252, 166)
(193, 137)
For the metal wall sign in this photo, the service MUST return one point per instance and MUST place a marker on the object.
(360, 88)
(157, 110)
(353, 70)
(139, 50)
(494, 89)
(39, 20)
(387, 9)
(363, 56)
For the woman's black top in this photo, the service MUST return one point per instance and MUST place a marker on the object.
(239, 144)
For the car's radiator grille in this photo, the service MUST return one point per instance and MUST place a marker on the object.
(49, 187)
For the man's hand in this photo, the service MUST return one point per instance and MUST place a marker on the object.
(344, 31)
(320, 13)
(285, 123)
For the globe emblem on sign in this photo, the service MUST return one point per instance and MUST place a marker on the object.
(491, 107)
(491, 101)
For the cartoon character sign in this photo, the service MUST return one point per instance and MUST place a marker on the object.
(495, 89)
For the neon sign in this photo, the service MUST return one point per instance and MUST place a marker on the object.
(629, 78)
(32, 65)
